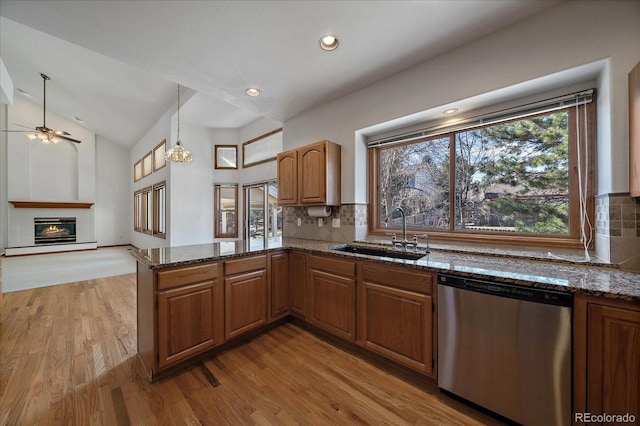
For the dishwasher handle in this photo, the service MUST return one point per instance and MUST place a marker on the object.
(521, 292)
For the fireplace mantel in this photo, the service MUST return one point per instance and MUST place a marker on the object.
(50, 205)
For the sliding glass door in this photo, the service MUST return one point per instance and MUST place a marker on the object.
(263, 217)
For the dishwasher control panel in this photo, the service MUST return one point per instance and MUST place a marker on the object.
(513, 291)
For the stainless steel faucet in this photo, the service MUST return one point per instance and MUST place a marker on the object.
(404, 224)
(404, 243)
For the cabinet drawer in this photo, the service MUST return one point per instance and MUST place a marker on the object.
(333, 265)
(188, 275)
(420, 282)
(245, 264)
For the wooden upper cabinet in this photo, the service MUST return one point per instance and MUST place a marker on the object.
(634, 131)
(313, 179)
(315, 176)
(288, 178)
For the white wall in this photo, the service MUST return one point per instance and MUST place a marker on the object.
(569, 35)
(252, 174)
(113, 208)
(264, 171)
(4, 205)
(191, 190)
(35, 172)
(159, 131)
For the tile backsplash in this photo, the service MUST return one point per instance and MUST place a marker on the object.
(618, 230)
(353, 223)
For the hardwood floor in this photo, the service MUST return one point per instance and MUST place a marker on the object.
(68, 356)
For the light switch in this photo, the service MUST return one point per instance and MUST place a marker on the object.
(320, 222)
(335, 223)
(299, 221)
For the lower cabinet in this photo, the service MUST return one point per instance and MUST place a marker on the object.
(333, 296)
(245, 286)
(298, 283)
(397, 321)
(280, 294)
(606, 356)
(189, 321)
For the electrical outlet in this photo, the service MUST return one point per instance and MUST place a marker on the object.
(299, 221)
(335, 223)
(320, 222)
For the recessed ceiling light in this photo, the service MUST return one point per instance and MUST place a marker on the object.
(328, 42)
(253, 92)
(451, 111)
(23, 93)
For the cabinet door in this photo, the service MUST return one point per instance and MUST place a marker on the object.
(280, 301)
(333, 306)
(245, 302)
(298, 265)
(312, 172)
(613, 360)
(189, 321)
(634, 131)
(397, 324)
(288, 178)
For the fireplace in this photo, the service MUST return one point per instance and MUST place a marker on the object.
(55, 230)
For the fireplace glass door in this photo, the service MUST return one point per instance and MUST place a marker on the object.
(55, 230)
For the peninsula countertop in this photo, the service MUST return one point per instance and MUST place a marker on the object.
(554, 274)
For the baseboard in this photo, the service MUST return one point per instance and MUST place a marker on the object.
(59, 248)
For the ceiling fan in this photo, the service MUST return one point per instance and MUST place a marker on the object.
(44, 133)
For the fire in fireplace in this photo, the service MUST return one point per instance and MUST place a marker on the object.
(55, 230)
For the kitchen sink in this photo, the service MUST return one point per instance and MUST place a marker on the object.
(380, 252)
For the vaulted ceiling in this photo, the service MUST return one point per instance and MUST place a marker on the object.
(115, 64)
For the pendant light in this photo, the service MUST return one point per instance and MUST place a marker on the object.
(178, 153)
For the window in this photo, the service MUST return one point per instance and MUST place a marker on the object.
(147, 164)
(147, 211)
(225, 199)
(225, 157)
(515, 180)
(262, 149)
(159, 209)
(137, 171)
(137, 211)
(262, 214)
(158, 155)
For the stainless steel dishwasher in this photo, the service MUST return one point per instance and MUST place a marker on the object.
(506, 348)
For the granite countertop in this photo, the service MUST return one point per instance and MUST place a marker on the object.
(554, 274)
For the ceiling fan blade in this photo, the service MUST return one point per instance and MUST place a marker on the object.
(26, 127)
(16, 131)
(61, 133)
(68, 138)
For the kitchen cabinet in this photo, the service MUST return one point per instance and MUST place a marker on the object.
(245, 286)
(298, 282)
(310, 175)
(333, 295)
(180, 314)
(280, 301)
(186, 323)
(396, 315)
(634, 131)
(288, 178)
(606, 356)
